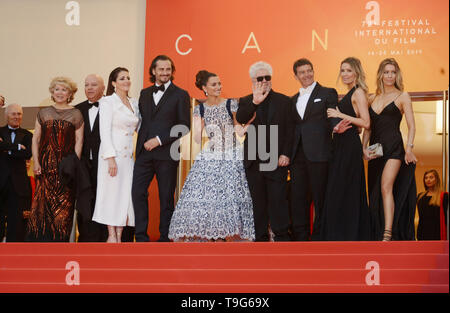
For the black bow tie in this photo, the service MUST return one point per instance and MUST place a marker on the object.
(11, 130)
(161, 87)
(93, 104)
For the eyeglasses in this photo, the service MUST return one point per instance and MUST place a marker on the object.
(261, 78)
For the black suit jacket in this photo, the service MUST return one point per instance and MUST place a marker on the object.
(278, 110)
(91, 141)
(4, 171)
(314, 131)
(14, 166)
(173, 109)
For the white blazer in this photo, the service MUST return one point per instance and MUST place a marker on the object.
(118, 123)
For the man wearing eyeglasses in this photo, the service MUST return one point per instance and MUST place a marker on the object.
(267, 148)
(311, 149)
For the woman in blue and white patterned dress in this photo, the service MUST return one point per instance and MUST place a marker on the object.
(215, 203)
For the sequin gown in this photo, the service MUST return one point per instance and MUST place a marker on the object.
(52, 209)
(385, 129)
(215, 202)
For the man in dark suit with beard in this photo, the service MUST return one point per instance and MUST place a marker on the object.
(311, 149)
(15, 185)
(162, 107)
(271, 130)
(90, 231)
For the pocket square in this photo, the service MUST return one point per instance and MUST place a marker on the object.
(317, 100)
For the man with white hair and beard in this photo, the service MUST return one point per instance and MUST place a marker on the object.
(267, 148)
(15, 185)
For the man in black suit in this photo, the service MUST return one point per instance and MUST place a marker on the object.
(162, 107)
(311, 150)
(15, 185)
(267, 148)
(94, 86)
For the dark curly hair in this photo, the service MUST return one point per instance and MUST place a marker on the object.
(202, 77)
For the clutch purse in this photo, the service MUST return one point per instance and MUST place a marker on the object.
(376, 149)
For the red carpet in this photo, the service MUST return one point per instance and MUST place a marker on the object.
(226, 267)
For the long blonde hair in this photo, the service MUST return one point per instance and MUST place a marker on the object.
(398, 76)
(356, 65)
(435, 193)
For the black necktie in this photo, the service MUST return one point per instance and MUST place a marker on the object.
(93, 104)
(161, 87)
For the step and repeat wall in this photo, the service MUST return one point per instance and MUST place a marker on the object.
(226, 37)
(43, 39)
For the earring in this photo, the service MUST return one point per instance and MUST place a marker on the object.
(206, 93)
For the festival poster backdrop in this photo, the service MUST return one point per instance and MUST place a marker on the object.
(226, 37)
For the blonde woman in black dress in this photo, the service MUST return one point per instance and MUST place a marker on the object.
(391, 181)
(346, 212)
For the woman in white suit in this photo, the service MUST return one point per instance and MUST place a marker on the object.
(119, 119)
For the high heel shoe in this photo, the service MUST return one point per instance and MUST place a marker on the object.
(387, 235)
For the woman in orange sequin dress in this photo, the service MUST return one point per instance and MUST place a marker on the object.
(58, 133)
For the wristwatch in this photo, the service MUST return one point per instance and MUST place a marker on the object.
(410, 145)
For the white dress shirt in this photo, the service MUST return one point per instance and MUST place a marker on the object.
(157, 97)
(92, 115)
(93, 111)
(303, 98)
(13, 137)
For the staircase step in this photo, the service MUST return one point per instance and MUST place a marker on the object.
(152, 248)
(228, 276)
(245, 267)
(26, 287)
(225, 261)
